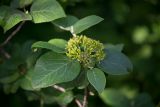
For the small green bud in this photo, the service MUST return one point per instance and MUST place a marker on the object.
(86, 50)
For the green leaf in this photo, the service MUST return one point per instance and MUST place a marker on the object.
(11, 88)
(20, 3)
(48, 94)
(46, 45)
(81, 81)
(61, 43)
(115, 63)
(9, 17)
(31, 96)
(13, 17)
(46, 11)
(26, 81)
(23, 50)
(3, 12)
(143, 100)
(114, 98)
(97, 78)
(66, 22)
(53, 68)
(31, 60)
(65, 98)
(51, 95)
(74, 25)
(15, 86)
(10, 79)
(86, 23)
(118, 47)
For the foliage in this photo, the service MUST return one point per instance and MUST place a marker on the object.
(44, 70)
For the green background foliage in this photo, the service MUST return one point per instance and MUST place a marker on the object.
(135, 23)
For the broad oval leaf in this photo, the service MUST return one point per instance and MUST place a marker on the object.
(46, 11)
(66, 23)
(10, 17)
(85, 23)
(53, 68)
(14, 18)
(20, 3)
(114, 98)
(115, 63)
(61, 43)
(26, 81)
(46, 45)
(97, 78)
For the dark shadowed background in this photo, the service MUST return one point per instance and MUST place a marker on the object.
(134, 23)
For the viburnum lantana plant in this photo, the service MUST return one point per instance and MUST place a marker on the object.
(80, 63)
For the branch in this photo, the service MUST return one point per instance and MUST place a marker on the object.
(3, 52)
(61, 89)
(72, 31)
(84, 104)
(78, 103)
(41, 102)
(85, 97)
(12, 34)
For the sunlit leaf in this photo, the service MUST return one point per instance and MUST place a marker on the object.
(61, 43)
(66, 23)
(53, 68)
(46, 11)
(85, 23)
(11, 17)
(46, 45)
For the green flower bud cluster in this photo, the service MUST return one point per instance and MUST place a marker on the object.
(86, 50)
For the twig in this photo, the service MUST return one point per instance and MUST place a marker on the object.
(61, 89)
(12, 34)
(84, 104)
(63, 106)
(85, 97)
(78, 103)
(8, 39)
(41, 100)
(6, 55)
(72, 31)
